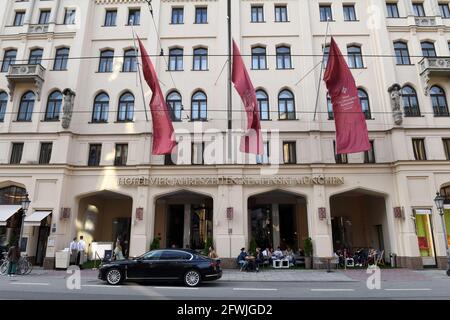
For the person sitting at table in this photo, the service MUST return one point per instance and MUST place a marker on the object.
(289, 254)
(259, 258)
(242, 262)
(278, 253)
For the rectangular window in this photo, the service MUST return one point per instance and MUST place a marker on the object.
(134, 17)
(349, 13)
(340, 158)
(95, 153)
(402, 53)
(9, 58)
(197, 153)
(110, 18)
(369, 156)
(392, 10)
(257, 14)
(289, 152)
(170, 159)
(264, 158)
(44, 17)
(445, 11)
(325, 13)
(418, 9)
(16, 153)
(446, 142)
(19, 18)
(46, 153)
(121, 155)
(61, 59)
(281, 13)
(201, 15)
(419, 149)
(69, 16)
(177, 15)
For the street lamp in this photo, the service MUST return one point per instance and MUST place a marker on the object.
(25, 205)
(439, 201)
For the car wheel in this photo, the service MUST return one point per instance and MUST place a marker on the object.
(113, 277)
(192, 278)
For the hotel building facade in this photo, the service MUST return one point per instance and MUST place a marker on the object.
(75, 137)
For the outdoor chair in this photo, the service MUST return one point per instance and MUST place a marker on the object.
(380, 259)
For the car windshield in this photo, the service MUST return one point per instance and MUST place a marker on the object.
(152, 255)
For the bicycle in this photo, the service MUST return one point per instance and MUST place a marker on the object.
(24, 267)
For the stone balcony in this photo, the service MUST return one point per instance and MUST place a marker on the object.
(430, 67)
(38, 28)
(26, 73)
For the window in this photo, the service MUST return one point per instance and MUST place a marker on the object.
(326, 53)
(365, 105)
(369, 156)
(35, 56)
(330, 108)
(175, 255)
(153, 255)
(61, 59)
(419, 149)
(439, 102)
(445, 11)
(418, 9)
(446, 142)
(9, 58)
(200, 59)
(281, 13)
(101, 107)
(339, 158)
(349, 13)
(325, 13)
(286, 105)
(264, 158)
(110, 18)
(410, 102)
(134, 17)
(257, 14)
(284, 58)
(201, 15)
(169, 161)
(19, 18)
(428, 49)
(289, 152)
(106, 61)
(263, 104)
(95, 153)
(259, 59)
(175, 104)
(45, 153)
(69, 16)
(26, 107)
(125, 111)
(176, 59)
(120, 158)
(16, 153)
(44, 17)
(401, 53)
(53, 106)
(392, 10)
(177, 15)
(355, 59)
(3, 104)
(197, 153)
(199, 106)
(130, 61)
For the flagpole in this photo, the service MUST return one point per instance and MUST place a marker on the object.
(321, 70)
(139, 73)
(229, 94)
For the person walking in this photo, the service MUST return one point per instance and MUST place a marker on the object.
(212, 253)
(73, 247)
(81, 252)
(118, 255)
(13, 257)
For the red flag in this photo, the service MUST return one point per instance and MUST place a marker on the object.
(351, 127)
(162, 123)
(252, 141)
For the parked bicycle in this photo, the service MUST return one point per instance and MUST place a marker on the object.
(24, 266)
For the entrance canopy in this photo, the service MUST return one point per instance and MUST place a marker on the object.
(7, 212)
(34, 220)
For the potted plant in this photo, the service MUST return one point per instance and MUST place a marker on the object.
(155, 244)
(208, 244)
(252, 248)
(308, 247)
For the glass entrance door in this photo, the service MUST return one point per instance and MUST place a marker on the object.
(201, 226)
(424, 231)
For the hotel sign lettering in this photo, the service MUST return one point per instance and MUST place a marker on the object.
(225, 180)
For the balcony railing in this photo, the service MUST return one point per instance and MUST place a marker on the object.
(26, 73)
(38, 28)
(433, 67)
(425, 21)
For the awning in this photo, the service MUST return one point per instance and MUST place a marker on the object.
(7, 212)
(34, 220)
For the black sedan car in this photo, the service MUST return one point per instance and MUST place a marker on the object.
(166, 265)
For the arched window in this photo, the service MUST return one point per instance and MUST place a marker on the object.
(355, 59)
(199, 106)
(439, 101)
(200, 59)
(410, 102)
(401, 52)
(3, 103)
(330, 108)
(176, 105)
(106, 61)
(101, 107)
(284, 58)
(130, 61)
(365, 105)
(263, 103)
(12, 195)
(125, 112)
(53, 106)
(428, 49)
(35, 56)
(259, 59)
(26, 106)
(286, 105)
(176, 59)
(8, 59)
(61, 59)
